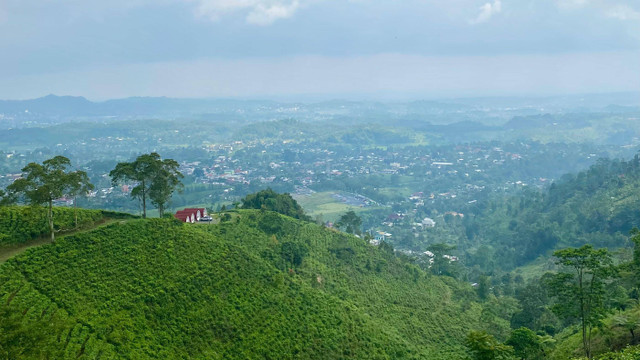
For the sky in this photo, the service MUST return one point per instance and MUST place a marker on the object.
(404, 49)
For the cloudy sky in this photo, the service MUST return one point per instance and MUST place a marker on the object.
(303, 48)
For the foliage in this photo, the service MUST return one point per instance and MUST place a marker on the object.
(597, 206)
(629, 353)
(42, 184)
(635, 264)
(270, 200)
(535, 312)
(441, 264)
(155, 179)
(580, 292)
(5, 199)
(19, 224)
(165, 182)
(351, 222)
(628, 322)
(483, 346)
(526, 344)
(161, 289)
(496, 315)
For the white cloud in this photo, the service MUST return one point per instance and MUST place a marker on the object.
(623, 12)
(258, 12)
(487, 11)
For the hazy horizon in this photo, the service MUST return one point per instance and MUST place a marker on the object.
(363, 97)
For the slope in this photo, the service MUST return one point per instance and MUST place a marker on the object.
(261, 286)
(19, 224)
(597, 206)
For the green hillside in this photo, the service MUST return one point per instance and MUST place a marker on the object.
(598, 206)
(19, 224)
(260, 286)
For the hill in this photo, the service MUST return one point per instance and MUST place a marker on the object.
(597, 206)
(259, 286)
(19, 224)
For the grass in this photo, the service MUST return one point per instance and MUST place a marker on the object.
(323, 203)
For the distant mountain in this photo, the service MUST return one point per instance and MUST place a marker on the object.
(73, 106)
(52, 105)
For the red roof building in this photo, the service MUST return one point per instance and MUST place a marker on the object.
(191, 215)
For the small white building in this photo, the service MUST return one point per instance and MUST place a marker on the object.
(428, 222)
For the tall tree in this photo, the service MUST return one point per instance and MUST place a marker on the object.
(164, 183)
(141, 171)
(441, 264)
(579, 288)
(526, 344)
(635, 264)
(41, 184)
(351, 222)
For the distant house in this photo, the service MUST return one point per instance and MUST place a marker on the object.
(416, 196)
(199, 212)
(428, 222)
(63, 201)
(454, 214)
(191, 215)
(395, 217)
(380, 236)
(185, 216)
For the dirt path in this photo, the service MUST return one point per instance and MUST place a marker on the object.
(9, 251)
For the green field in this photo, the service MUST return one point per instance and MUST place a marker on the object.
(324, 204)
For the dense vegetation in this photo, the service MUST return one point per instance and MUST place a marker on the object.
(22, 223)
(272, 201)
(598, 206)
(259, 286)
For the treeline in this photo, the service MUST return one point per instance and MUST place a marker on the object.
(153, 179)
(588, 307)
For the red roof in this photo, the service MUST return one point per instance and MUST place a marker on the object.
(186, 214)
(183, 217)
(202, 210)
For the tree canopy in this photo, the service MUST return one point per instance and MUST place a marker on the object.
(46, 182)
(580, 287)
(155, 179)
(270, 200)
(350, 222)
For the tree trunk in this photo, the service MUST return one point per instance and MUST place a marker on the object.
(583, 319)
(50, 216)
(75, 209)
(144, 201)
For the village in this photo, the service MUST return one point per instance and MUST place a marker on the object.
(402, 193)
